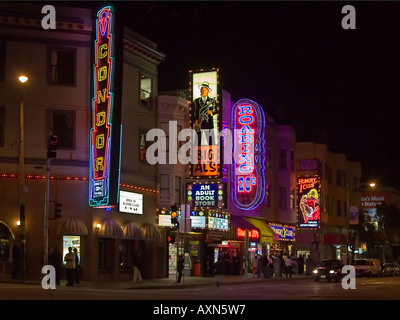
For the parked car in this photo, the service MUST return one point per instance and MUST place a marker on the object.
(390, 269)
(367, 267)
(329, 270)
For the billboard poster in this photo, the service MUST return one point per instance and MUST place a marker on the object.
(130, 202)
(205, 121)
(370, 200)
(248, 168)
(308, 197)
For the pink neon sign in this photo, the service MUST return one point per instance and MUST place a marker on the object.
(248, 123)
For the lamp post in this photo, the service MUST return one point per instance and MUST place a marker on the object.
(23, 79)
(372, 185)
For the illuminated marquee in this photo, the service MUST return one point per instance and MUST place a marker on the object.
(308, 197)
(248, 177)
(102, 109)
(210, 195)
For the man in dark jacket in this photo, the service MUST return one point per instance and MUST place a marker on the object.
(219, 271)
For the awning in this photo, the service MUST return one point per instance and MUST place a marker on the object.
(109, 229)
(266, 233)
(150, 232)
(240, 222)
(74, 226)
(132, 231)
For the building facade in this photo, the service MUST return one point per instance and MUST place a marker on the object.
(58, 97)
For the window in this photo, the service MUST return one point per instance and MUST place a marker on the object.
(339, 178)
(177, 190)
(62, 122)
(164, 185)
(145, 91)
(62, 66)
(2, 126)
(292, 161)
(283, 199)
(2, 62)
(268, 195)
(282, 159)
(5, 237)
(105, 254)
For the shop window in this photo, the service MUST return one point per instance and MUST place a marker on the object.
(105, 254)
(74, 242)
(62, 66)
(4, 243)
(164, 185)
(145, 91)
(62, 123)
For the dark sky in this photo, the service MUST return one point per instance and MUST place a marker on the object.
(335, 86)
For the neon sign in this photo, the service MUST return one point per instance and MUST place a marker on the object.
(308, 195)
(102, 109)
(254, 234)
(248, 177)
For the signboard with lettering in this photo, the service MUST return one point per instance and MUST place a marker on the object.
(130, 202)
(254, 234)
(308, 201)
(106, 125)
(285, 233)
(210, 195)
(248, 169)
(218, 221)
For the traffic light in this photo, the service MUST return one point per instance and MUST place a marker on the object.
(57, 210)
(52, 147)
(174, 216)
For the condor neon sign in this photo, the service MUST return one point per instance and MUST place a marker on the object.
(102, 109)
(248, 177)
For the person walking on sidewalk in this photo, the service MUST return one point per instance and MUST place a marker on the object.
(277, 267)
(254, 264)
(219, 271)
(137, 275)
(288, 267)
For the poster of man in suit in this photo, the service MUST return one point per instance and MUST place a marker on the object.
(205, 122)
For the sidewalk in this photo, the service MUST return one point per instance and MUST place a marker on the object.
(163, 283)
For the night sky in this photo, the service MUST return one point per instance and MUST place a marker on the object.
(335, 86)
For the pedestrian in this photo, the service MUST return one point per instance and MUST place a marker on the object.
(309, 265)
(55, 259)
(69, 258)
(254, 265)
(180, 264)
(301, 264)
(137, 275)
(219, 271)
(270, 267)
(77, 266)
(277, 266)
(288, 267)
(264, 263)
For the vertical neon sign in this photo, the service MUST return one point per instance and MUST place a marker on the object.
(102, 109)
(248, 177)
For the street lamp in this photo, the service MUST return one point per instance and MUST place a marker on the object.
(23, 79)
(370, 184)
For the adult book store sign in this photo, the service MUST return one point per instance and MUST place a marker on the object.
(210, 195)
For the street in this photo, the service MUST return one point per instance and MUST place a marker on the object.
(290, 289)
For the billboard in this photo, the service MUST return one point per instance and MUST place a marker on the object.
(248, 168)
(130, 202)
(308, 201)
(209, 195)
(218, 221)
(105, 132)
(205, 121)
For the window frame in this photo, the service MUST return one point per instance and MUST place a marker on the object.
(50, 126)
(50, 81)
